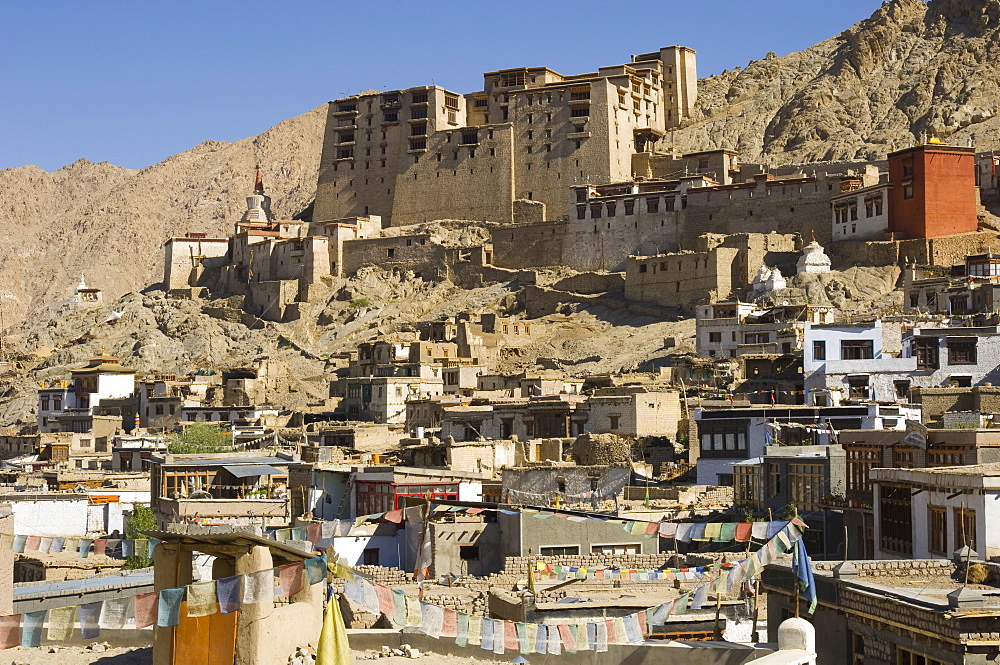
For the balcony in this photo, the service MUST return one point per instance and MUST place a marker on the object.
(345, 111)
(271, 510)
(578, 135)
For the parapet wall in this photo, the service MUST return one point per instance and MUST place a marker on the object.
(943, 251)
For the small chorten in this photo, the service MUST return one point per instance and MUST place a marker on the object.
(84, 295)
(775, 281)
(813, 259)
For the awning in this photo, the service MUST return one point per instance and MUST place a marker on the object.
(247, 470)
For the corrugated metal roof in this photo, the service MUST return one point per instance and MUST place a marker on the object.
(228, 461)
(248, 470)
(278, 550)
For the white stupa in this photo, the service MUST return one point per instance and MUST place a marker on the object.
(813, 259)
(775, 281)
(258, 204)
(85, 295)
(760, 280)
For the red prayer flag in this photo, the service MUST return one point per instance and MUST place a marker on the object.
(290, 578)
(10, 631)
(145, 609)
(395, 516)
(510, 640)
(743, 531)
(612, 631)
(569, 642)
(100, 546)
(449, 627)
(314, 532)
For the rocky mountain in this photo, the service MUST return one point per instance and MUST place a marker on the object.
(912, 67)
(110, 222)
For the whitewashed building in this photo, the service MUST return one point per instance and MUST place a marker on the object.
(931, 513)
(861, 214)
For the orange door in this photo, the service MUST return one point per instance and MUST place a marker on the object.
(207, 640)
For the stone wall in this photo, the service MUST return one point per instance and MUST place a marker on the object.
(720, 265)
(417, 253)
(799, 205)
(681, 280)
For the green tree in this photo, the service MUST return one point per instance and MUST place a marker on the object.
(142, 519)
(199, 438)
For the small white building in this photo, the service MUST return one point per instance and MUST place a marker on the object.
(729, 329)
(849, 361)
(930, 513)
(85, 295)
(102, 378)
(861, 214)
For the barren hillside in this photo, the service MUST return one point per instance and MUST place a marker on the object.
(110, 222)
(912, 67)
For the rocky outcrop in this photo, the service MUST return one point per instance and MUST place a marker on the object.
(913, 67)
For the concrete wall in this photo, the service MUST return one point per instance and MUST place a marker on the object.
(934, 401)
(56, 517)
(690, 653)
(534, 535)
(450, 539)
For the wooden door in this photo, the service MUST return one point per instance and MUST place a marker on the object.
(207, 640)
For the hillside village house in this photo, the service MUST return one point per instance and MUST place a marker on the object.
(731, 329)
(873, 449)
(728, 435)
(225, 489)
(847, 362)
(70, 405)
(965, 288)
(932, 513)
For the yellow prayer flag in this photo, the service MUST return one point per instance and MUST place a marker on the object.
(201, 599)
(333, 647)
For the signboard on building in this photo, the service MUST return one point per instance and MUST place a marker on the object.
(916, 434)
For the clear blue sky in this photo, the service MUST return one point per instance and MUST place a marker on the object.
(135, 82)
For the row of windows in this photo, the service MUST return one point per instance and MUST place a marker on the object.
(964, 521)
(393, 101)
(854, 349)
(844, 212)
(628, 205)
(961, 351)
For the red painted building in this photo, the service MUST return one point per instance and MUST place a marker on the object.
(382, 496)
(933, 191)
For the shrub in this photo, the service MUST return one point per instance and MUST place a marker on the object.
(142, 519)
(199, 438)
